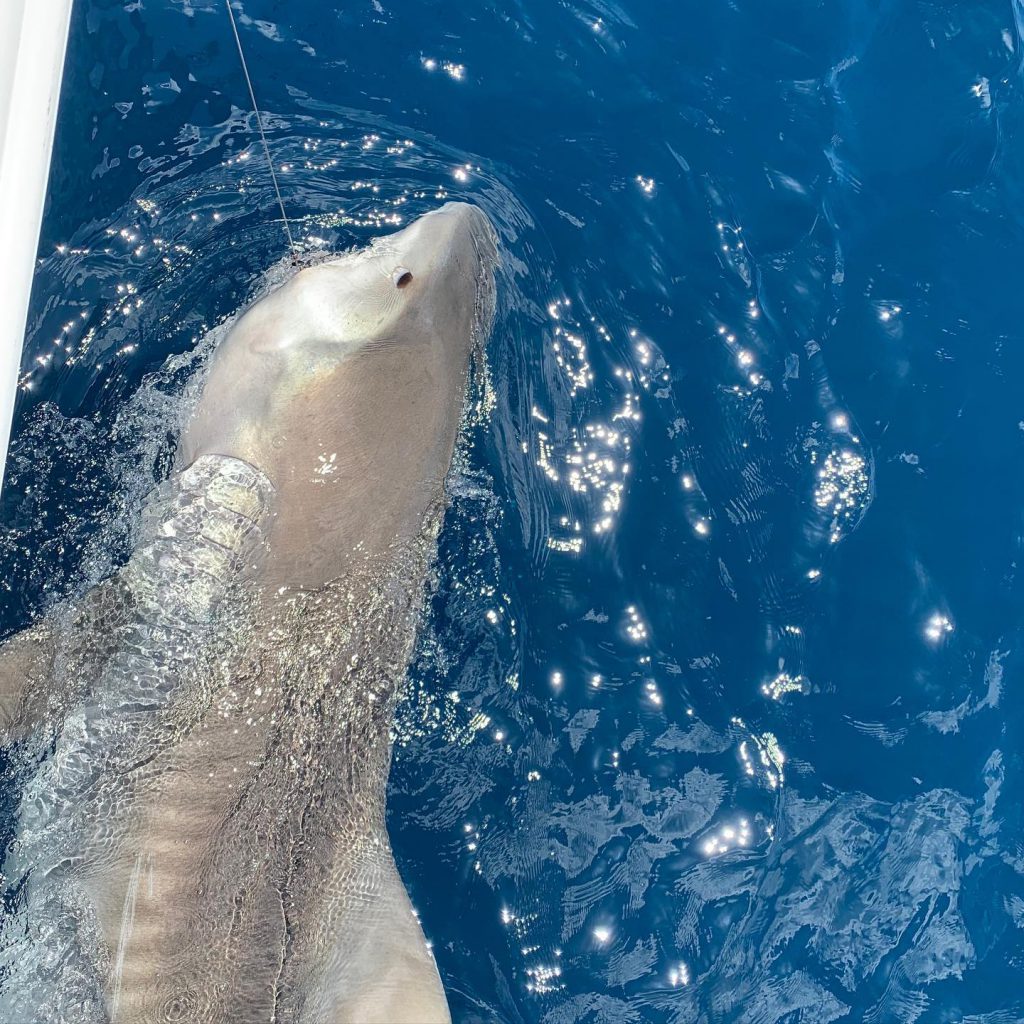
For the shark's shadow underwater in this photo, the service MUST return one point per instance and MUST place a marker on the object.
(204, 737)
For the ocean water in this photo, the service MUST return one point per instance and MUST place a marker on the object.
(714, 715)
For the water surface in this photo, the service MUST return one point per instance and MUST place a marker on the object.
(714, 716)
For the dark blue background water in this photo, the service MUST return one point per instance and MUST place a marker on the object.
(752, 753)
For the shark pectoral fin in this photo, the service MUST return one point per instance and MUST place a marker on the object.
(399, 982)
(406, 990)
(26, 664)
(41, 667)
(373, 966)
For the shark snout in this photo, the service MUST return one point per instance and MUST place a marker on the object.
(469, 225)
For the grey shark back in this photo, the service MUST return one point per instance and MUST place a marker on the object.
(204, 738)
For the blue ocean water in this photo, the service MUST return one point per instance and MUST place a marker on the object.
(714, 715)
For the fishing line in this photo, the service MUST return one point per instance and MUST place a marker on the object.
(263, 134)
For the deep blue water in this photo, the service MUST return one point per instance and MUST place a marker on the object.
(720, 722)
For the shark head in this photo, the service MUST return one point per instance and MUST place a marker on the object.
(345, 386)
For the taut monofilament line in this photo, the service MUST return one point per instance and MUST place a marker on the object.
(259, 123)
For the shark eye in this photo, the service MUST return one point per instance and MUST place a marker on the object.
(401, 277)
